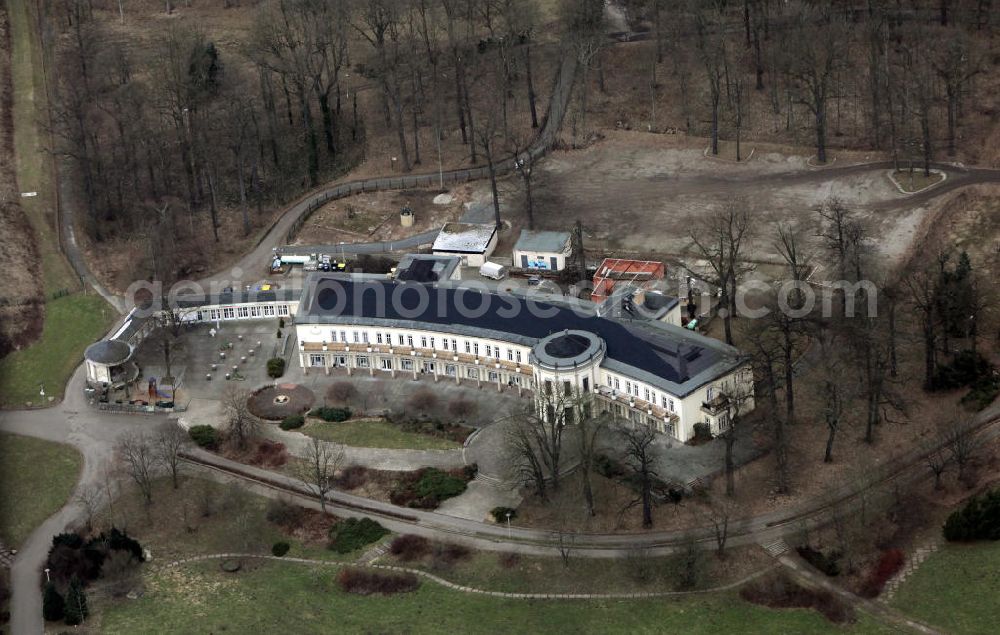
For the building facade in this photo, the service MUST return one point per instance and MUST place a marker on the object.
(649, 373)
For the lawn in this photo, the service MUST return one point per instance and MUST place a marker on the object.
(296, 598)
(37, 478)
(376, 433)
(956, 589)
(71, 324)
(540, 574)
(34, 166)
(205, 517)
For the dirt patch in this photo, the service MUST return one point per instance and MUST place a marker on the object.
(375, 217)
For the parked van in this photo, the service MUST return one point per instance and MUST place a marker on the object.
(493, 270)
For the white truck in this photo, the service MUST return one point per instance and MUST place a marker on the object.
(493, 270)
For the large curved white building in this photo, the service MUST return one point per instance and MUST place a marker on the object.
(648, 372)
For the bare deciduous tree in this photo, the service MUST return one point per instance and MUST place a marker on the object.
(138, 460)
(318, 466)
(641, 455)
(167, 445)
(342, 392)
(241, 424)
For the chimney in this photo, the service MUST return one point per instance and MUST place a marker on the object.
(682, 363)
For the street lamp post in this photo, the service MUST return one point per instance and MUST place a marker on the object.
(47, 578)
(508, 525)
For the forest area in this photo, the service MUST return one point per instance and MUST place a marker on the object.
(189, 124)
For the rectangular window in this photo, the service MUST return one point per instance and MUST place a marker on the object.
(409, 341)
(282, 309)
(517, 354)
(450, 370)
(646, 393)
(568, 414)
(468, 347)
(670, 405)
(617, 384)
(228, 312)
(548, 387)
(356, 337)
(386, 363)
(475, 348)
(473, 373)
(669, 429)
(364, 336)
(343, 337)
(333, 336)
(709, 393)
(586, 384)
(268, 310)
(423, 342)
(567, 388)
(496, 352)
(454, 346)
(510, 355)
(362, 362)
(214, 313)
(407, 363)
(255, 311)
(315, 360)
(494, 376)
(628, 387)
(388, 339)
(432, 343)
(444, 343)
(400, 336)
(489, 351)
(378, 338)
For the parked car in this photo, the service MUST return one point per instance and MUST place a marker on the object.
(534, 281)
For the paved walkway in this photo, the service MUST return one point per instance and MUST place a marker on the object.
(913, 562)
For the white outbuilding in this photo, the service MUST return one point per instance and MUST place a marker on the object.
(472, 242)
(543, 250)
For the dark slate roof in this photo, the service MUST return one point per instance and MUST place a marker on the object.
(426, 267)
(108, 352)
(652, 348)
(237, 296)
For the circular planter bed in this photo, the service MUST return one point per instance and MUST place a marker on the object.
(278, 401)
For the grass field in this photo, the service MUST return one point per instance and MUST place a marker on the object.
(540, 574)
(34, 167)
(37, 478)
(295, 598)
(71, 323)
(956, 589)
(375, 433)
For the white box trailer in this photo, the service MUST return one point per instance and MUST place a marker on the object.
(493, 270)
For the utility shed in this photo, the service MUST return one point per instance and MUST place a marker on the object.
(472, 242)
(543, 250)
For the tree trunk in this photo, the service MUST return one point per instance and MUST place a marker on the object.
(730, 440)
(821, 130)
(459, 102)
(488, 148)
(324, 108)
(828, 456)
(312, 149)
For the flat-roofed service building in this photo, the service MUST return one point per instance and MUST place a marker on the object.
(613, 271)
(472, 242)
(543, 250)
(646, 372)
